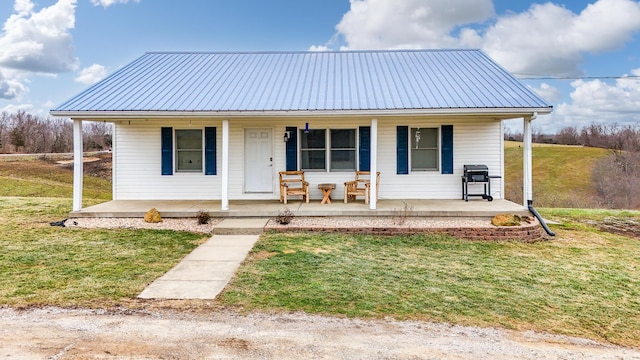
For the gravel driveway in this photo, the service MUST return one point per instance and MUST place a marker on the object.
(53, 333)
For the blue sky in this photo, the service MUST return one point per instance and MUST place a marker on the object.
(51, 50)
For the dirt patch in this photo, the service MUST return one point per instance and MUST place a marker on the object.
(261, 255)
(99, 165)
(620, 226)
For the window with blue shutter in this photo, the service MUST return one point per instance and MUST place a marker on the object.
(365, 148)
(166, 143)
(292, 149)
(446, 132)
(402, 150)
(210, 151)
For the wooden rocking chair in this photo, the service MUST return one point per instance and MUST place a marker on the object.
(361, 186)
(292, 183)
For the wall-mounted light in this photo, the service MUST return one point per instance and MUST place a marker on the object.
(306, 128)
(287, 136)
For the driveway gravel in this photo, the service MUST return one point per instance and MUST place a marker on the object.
(53, 333)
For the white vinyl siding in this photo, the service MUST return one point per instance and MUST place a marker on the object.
(138, 160)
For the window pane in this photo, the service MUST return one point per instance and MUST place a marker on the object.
(315, 139)
(343, 139)
(189, 161)
(312, 159)
(343, 159)
(189, 150)
(424, 138)
(189, 139)
(424, 159)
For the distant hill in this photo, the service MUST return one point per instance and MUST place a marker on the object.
(561, 174)
(52, 176)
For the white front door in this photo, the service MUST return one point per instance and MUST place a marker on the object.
(258, 161)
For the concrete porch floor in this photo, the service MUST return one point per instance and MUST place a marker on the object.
(271, 208)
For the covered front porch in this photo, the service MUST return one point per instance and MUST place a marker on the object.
(271, 208)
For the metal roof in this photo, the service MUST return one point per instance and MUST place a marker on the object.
(306, 81)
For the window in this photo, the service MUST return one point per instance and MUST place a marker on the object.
(313, 150)
(188, 150)
(343, 149)
(424, 148)
(340, 151)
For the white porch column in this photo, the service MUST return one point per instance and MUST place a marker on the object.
(373, 168)
(225, 166)
(527, 177)
(77, 165)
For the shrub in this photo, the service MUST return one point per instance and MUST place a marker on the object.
(203, 217)
(284, 217)
(400, 215)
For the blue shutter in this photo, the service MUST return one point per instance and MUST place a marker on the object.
(292, 149)
(446, 132)
(365, 148)
(210, 151)
(402, 150)
(166, 143)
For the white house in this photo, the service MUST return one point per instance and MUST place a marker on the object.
(220, 126)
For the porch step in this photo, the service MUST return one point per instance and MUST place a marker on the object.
(241, 226)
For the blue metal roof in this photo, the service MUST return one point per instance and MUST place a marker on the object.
(307, 81)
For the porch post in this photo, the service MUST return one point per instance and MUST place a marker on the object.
(225, 166)
(527, 186)
(373, 168)
(77, 165)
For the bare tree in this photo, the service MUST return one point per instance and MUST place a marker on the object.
(97, 135)
(617, 180)
(4, 125)
(568, 136)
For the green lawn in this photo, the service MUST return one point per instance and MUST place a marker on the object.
(45, 265)
(42, 178)
(561, 174)
(583, 283)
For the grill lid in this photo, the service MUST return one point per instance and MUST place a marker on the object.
(476, 168)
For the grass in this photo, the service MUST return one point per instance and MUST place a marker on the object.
(39, 177)
(561, 174)
(45, 265)
(584, 283)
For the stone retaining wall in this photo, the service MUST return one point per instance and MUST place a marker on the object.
(525, 233)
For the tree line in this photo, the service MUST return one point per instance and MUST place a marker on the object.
(616, 177)
(610, 136)
(21, 132)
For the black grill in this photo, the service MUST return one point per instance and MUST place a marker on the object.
(477, 174)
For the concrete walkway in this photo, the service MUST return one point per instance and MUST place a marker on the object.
(206, 271)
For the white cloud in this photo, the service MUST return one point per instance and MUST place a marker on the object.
(548, 92)
(596, 101)
(318, 48)
(92, 74)
(550, 39)
(39, 42)
(13, 108)
(384, 24)
(545, 39)
(11, 88)
(107, 3)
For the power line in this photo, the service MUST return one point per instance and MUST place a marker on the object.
(548, 77)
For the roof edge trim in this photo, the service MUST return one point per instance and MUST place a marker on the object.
(307, 113)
